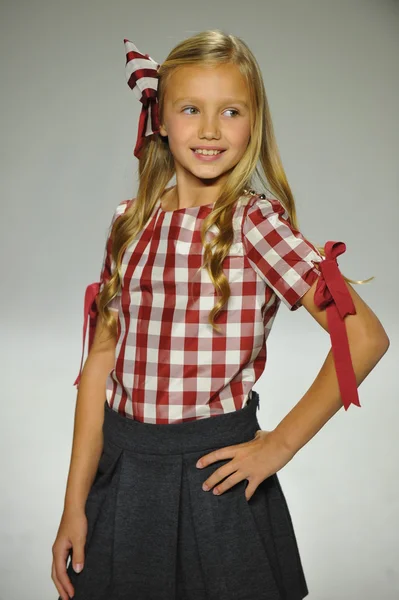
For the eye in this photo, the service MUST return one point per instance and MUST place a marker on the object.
(233, 110)
(228, 109)
(188, 108)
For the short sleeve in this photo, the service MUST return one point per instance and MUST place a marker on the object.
(108, 265)
(280, 254)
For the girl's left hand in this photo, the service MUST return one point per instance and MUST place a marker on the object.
(254, 460)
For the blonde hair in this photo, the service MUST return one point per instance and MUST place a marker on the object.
(207, 48)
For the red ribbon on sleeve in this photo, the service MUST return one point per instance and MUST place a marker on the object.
(90, 313)
(332, 293)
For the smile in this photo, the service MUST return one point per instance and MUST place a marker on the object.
(207, 157)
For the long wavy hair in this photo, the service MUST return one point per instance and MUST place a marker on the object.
(207, 48)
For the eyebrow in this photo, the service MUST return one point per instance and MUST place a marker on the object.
(224, 101)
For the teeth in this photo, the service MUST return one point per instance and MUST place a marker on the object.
(208, 152)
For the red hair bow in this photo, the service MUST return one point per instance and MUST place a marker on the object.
(142, 77)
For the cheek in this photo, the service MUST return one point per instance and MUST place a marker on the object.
(179, 129)
(178, 142)
(236, 132)
(241, 134)
(179, 139)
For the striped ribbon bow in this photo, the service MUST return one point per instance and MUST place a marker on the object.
(332, 293)
(141, 74)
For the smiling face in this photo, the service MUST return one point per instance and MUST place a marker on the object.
(208, 107)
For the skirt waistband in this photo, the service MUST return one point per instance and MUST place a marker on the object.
(188, 436)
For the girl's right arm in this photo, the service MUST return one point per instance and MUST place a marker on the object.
(86, 451)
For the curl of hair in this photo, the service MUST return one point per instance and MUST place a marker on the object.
(208, 48)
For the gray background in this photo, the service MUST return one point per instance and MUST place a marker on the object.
(68, 128)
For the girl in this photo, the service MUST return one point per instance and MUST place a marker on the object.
(191, 282)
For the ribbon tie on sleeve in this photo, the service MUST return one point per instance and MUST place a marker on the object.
(142, 77)
(332, 293)
(90, 313)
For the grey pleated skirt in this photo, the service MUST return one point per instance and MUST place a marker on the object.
(154, 534)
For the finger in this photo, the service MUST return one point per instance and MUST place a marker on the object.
(63, 594)
(219, 454)
(228, 483)
(250, 490)
(78, 555)
(60, 558)
(218, 475)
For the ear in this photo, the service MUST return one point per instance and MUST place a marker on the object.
(162, 130)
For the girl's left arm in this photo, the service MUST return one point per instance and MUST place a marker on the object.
(368, 343)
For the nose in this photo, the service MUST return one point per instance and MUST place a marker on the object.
(209, 127)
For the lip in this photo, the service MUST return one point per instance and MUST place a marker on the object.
(208, 148)
(210, 157)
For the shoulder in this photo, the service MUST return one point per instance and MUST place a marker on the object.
(263, 206)
(123, 206)
(263, 212)
(120, 209)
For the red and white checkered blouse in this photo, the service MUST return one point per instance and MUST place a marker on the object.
(170, 365)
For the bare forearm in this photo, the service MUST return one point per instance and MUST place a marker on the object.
(87, 436)
(323, 398)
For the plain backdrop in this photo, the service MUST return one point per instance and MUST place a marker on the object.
(68, 129)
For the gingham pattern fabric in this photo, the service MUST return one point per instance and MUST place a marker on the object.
(170, 365)
(281, 255)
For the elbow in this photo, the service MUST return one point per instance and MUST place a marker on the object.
(371, 332)
(384, 343)
(379, 341)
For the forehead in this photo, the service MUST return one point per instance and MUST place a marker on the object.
(206, 82)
